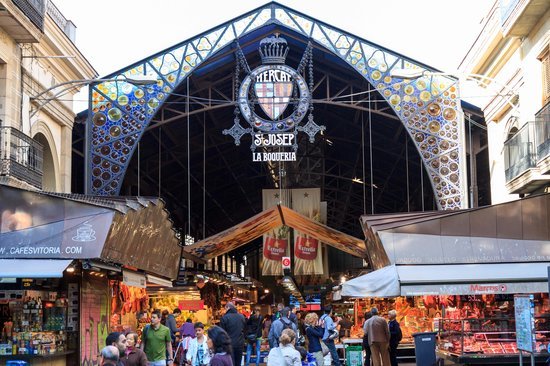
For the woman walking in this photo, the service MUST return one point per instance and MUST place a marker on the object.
(285, 353)
(314, 334)
(133, 356)
(220, 346)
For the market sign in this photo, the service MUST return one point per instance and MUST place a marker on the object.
(191, 305)
(274, 98)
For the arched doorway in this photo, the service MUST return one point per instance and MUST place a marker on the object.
(49, 180)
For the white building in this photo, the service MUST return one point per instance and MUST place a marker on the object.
(37, 53)
(512, 52)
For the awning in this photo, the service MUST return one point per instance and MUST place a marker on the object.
(383, 282)
(266, 221)
(133, 231)
(33, 268)
(459, 279)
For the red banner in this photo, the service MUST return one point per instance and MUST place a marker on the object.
(193, 305)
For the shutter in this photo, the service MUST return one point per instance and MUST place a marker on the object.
(545, 61)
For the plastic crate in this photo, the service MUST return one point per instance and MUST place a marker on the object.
(16, 363)
(354, 356)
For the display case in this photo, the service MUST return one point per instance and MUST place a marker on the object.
(461, 339)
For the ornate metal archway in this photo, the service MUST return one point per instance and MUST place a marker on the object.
(428, 107)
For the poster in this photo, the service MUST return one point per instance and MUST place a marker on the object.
(524, 309)
(308, 259)
(276, 241)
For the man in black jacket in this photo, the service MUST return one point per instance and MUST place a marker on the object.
(234, 324)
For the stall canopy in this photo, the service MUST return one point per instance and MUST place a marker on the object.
(503, 248)
(134, 231)
(268, 220)
(459, 279)
(33, 268)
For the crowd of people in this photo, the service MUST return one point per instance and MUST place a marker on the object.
(293, 340)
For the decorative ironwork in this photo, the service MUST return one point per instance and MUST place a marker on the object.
(428, 107)
(20, 156)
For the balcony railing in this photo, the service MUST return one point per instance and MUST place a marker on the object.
(20, 156)
(542, 132)
(519, 152)
(34, 10)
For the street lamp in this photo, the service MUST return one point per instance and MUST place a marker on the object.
(138, 80)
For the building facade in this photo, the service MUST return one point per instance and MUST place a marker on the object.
(38, 64)
(511, 59)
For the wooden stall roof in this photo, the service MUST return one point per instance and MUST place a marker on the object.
(268, 220)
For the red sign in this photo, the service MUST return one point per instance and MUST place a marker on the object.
(286, 262)
(274, 249)
(306, 248)
(191, 305)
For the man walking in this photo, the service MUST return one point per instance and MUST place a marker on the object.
(157, 343)
(330, 334)
(234, 324)
(278, 326)
(171, 323)
(376, 328)
(117, 340)
(395, 336)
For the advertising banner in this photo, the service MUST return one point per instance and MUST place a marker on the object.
(33, 225)
(308, 258)
(276, 241)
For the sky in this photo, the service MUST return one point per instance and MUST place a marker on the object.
(116, 33)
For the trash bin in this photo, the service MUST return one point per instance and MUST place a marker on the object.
(16, 363)
(424, 348)
(354, 356)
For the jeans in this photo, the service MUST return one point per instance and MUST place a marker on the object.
(237, 355)
(249, 347)
(157, 363)
(333, 353)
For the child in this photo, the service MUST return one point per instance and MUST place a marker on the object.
(307, 358)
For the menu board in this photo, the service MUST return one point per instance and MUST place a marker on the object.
(525, 322)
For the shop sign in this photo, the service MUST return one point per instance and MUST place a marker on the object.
(474, 289)
(36, 226)
(134, 279)
(191, 305)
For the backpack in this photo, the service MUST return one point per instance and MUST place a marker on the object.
(286, 325)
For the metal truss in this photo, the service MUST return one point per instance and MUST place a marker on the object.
(428, 107)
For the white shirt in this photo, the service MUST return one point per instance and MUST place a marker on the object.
(193, 351)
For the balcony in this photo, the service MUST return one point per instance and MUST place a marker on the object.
(542, 139)
(520, 162)
(20, 157)
(518, 17)
(34, 10)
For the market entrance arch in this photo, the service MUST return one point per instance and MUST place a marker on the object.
(428, 108)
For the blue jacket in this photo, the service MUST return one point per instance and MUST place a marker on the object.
(314, 335)
(276, 330)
